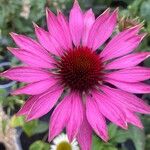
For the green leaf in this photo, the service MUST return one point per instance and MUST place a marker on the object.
(98, 144)
(35, 127)
(145, 10)
(41, 127)
(121, 136)
(39, 145)
(138, 137)
(17, 121)
(3, 94)
(112, 130)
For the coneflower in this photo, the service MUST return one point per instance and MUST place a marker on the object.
(97, 85)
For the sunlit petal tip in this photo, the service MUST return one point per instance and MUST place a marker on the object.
(12, 34)
(13, 93)
(59, 12)
(48, 12)
(107, 11)
(125, 126)
(106, 138)
(147, 55)
(9, 48)
(28, 118)
(50, 138)
(35, 25)
(143, 36)
(90, 10)
(136, 27)
(76, 2)
(2, 74)
(115, 13)
(19, 113)
(140, 126)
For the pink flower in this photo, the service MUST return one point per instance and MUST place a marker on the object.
(90, 85)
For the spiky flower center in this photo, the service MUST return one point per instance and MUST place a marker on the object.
(80, 69)
(64, 146)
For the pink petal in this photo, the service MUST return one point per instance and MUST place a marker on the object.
(44, 104)
(55, 29)
(121, 44)
(114, 114)
(130, 87)
(127, 100)
(76, 23)
(30, 45)
(47, 41)
(36, 87)
(27, 106)
(60, 117)
(96, 119)
(128, 61)
(84, 136)
(65, 27)
(26, 74)
(133, 119)
(99, 21)
(134, 74)
(75, 119)
(102, 29)
(89, 19)
(31, 59)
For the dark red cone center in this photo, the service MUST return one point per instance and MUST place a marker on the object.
(80, 69)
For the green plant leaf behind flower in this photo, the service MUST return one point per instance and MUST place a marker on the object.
(39, 145)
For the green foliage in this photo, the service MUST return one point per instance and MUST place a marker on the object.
(118, 135)
(98, 144)
(145, 10)
(30, 128)
(39, 145)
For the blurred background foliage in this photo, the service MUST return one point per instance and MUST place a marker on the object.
(17, 16)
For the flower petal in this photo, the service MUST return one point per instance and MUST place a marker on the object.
(75, 119)
(27, 106)
(102, 29)
(76, 23)
(35, 88)
(114, 114)
(127, 100)
(96, 119)
(44, 104)
(130, 60)
(26, 74)
(47, 41)
(134, 74)
(84, 136)
(55, 29)
(60, 117)
(89, 19)
(122, 44)
(133, 119)
(30, 45)
(31, 59)
(65, 27)
(130, 87)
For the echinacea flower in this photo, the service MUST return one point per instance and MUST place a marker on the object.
(62, 143)
(67, 66)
